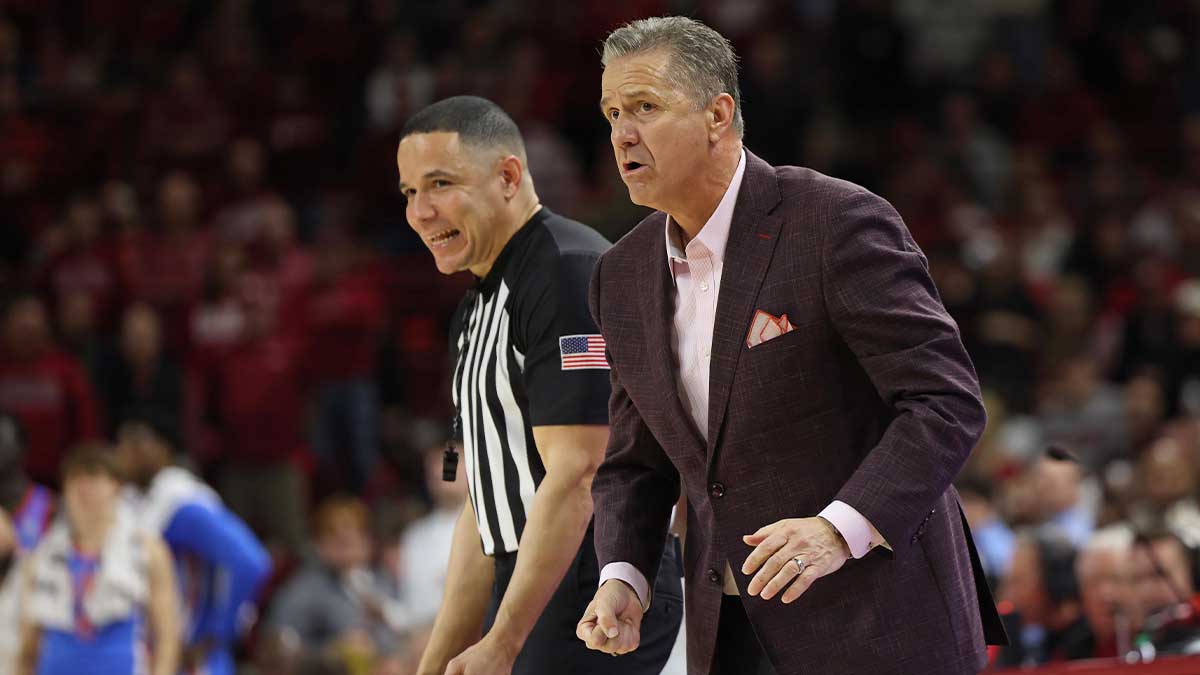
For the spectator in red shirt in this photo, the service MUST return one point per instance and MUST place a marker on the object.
(257, 398)
(85, 265)
(173, 259)
(46, 388)
(345, 320)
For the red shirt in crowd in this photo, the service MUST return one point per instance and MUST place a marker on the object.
(53, 398)
(259, 399)
(345, 320)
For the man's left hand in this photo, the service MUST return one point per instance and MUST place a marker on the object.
(486, 657)
(777, 545)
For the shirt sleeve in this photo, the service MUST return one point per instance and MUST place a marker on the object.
(217, 536)
(623, 571)
(565, 372)
(860, 535)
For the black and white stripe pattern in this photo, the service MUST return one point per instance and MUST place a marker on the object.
(502, 464)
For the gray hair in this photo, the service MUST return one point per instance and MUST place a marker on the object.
(702, 62)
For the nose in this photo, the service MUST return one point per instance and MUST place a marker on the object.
(624, 134)
(420, 208)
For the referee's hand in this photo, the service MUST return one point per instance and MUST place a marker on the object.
(612, 622)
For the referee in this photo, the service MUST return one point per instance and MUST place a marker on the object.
(530, 386)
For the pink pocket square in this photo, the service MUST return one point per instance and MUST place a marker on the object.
(766, 327)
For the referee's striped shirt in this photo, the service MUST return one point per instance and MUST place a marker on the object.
(526, 353)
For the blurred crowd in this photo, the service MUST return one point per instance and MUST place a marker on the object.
(199, 221)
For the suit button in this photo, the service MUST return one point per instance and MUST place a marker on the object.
(714, 577)
(716, 490)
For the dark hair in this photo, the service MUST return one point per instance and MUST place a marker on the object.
(477, 121)
(1056, 556)
(90, 458)
(160, 422)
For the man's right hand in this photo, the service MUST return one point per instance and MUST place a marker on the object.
(612, 622)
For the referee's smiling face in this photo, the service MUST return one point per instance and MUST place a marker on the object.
(455, 199)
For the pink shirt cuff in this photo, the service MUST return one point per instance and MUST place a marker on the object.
(860, 535)
(623, 571)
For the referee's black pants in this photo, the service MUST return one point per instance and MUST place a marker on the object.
(554, 649)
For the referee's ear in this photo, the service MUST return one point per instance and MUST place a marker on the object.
(512, 172)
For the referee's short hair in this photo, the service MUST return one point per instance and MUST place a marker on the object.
(477, 121)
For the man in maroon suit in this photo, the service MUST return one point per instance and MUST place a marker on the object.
(814, 403)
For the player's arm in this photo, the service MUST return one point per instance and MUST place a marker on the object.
(163, 608)
(562, 508)
(469, 579)
(217, 536)
(31, 632)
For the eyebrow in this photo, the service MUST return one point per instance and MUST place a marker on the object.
(641, 92)
(436, 173)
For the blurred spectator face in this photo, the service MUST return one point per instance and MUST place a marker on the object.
(246, 164)
(1104, 587)
(140, 453)
(1145, 406)
(1080, 377)
(26, 327)
(278, 226)
(83, 220)
(1151, 591)
(1167, 475)
(1055, 486)
(1071, 304)
(1024, 586)
(120, 203)
(343, 534)
(660, 138)
(458, 211)
(76, 316)
(178, 200)
(141, 335)
(187, 81)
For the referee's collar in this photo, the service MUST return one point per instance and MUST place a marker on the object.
(516, 243)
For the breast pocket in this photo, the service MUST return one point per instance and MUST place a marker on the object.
(784, 373)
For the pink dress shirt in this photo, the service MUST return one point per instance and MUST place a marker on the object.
(696, 269)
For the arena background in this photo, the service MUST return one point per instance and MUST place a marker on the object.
(202, 197)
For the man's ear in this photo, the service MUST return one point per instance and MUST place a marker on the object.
(720, 116)
(512, 171)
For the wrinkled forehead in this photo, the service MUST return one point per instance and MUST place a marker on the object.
(643, 73)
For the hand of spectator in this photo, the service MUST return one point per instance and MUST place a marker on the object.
(486, 657)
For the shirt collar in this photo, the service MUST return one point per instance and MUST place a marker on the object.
(715, 232)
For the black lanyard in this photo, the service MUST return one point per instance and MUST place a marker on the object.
(450, 456)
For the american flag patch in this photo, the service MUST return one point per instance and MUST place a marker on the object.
(582, 351)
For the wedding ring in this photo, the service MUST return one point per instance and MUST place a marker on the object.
(800, 565)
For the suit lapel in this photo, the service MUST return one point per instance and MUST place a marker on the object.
(658, 308)
(752, 238)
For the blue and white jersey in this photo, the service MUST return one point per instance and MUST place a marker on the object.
(90, 607)
(117, 648)
(219, 562)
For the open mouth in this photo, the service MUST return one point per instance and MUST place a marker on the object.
(631, 167)
(443, 238)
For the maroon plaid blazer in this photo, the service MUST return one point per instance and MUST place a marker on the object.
(871, 400)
